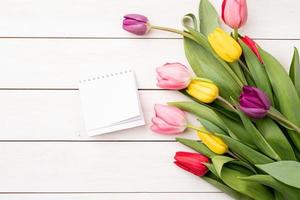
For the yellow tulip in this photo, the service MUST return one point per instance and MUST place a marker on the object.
(214, 143)
(224, 45)
(202, 89)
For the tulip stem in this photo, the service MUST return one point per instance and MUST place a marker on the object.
(246, 69)
(282, 120)
(193, 127)
(227, 103)
(233, 155)
(172, 30)
(236, 34)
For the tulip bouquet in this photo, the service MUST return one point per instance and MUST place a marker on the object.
(246, 103)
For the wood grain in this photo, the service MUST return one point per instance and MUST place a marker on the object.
(56, 115)
(93, 18)
(95, 167)
(118, 196)
(58, 63)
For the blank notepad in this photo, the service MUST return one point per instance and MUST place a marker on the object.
(110, 102)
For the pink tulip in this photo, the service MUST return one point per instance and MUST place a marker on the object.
(234, 13)
(173, 76)
(168, 120)
(136, 24)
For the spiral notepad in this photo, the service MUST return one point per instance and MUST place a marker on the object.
(110, 102)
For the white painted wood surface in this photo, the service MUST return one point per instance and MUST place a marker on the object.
(56, 63)
(44, 152)
(94, 18)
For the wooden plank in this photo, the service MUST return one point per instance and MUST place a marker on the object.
(93, 18)
(56, 115)
(95, 167)
(57, 63)
(117, 196)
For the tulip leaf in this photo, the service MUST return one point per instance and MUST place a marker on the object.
(239, 72)
(238, 130)
(284, 171)
(209, 19)
(295, 70)
(257, 71)
(211, 127)
(245, 151)
(276, 138)
(285, 92)
(199, 110)
(205, 65)
(257, 137)
(219, 161)
(290, 193)
(211, 168)
(232, 178)
(224, 188)
(197, 146)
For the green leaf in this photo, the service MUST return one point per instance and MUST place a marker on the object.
(285, 92)
(290, 193)
(197, 146)
(284, 171)
(205, 65)
(257, 71)
(238, 130)
(276, 138)
(199, 110)
(232, 178)
(209, 19)
(257, 137)
(238, 71)
(224, 188)
(211, 127)
(211, 168)
(245, 151)
(295, 70)
(219, 161)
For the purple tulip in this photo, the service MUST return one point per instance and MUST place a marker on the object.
(136, 24)
(254, 102)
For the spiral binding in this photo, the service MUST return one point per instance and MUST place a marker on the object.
(105, 76)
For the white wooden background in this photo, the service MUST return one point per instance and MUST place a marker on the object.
(44, 153)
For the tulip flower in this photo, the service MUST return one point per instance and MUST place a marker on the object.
(168, 120)
(254, 102)
(234, 13)
(224, 45)
(136, 24)
(173, 76)
(204, 90)
(252, 45)
(214, 143)
(192, 162)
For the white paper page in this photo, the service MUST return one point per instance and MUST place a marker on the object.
(109, 99)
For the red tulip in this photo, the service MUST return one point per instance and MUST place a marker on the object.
(234, 13)
(192, 162)
(252, 45)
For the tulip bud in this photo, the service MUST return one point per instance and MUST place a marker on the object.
(252, 45)
(254, 102)
(192, 162)
(204, 90)
(234, 13)
(168, 120)
(136, 24)
(173, 76)
(214, 143)
(224, 45)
